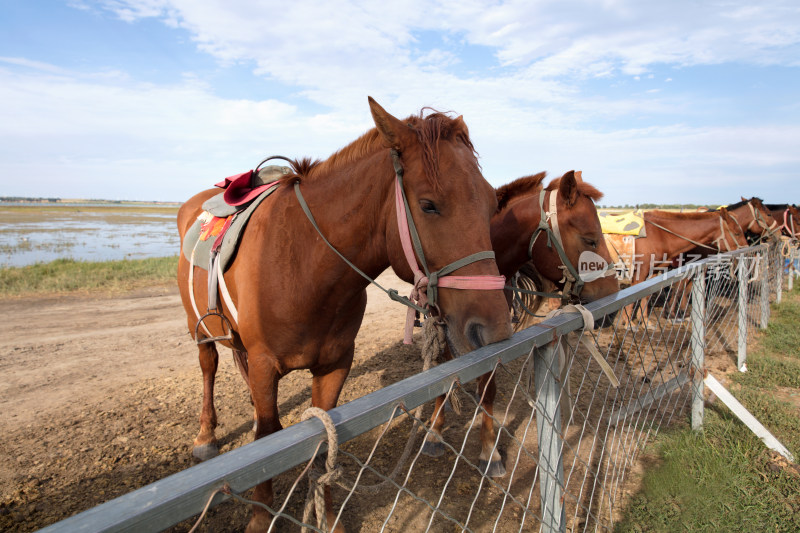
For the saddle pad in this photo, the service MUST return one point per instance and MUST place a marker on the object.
(202, 248)
(622, 249)
(629, 223)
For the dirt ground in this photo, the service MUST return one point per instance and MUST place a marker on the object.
(101, 394)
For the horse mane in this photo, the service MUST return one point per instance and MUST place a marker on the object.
(533, 183)
(737, 205)
(430, 130)
(776, 206)
(688, 215)
(517, 188)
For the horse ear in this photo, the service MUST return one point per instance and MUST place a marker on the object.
(744, 199)
(579, 175)
(568, 188)
(395, 134)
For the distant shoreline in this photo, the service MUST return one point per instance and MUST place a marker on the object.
(55, 202)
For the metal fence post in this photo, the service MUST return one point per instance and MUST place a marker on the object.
(764, 270)
(741, 276)
(779, 278)
(698, 342)
(548, 426)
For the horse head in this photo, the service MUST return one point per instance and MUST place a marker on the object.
(450, 204)
(763, 224)
(732, 228)
(792, 222)
(526, 210)
(582, 235)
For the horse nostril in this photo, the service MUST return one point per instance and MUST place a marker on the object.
(475, 334)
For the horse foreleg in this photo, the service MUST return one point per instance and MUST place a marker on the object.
(264, 392)
(491, 462)
(205, 445)
(325, 390)
(433, 445)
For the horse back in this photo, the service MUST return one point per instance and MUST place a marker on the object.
(191, 209)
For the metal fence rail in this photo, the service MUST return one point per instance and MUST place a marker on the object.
(569, 435)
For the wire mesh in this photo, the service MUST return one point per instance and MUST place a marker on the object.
(568, 433)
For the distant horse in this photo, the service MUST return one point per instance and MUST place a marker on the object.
(754, 219)
(569, 202)
(788, 218)
(300, 305)
(670, 237)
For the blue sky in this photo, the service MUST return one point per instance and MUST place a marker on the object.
(656, 102)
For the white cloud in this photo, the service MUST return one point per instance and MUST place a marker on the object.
(527, 111)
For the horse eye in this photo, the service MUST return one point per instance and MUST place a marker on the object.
(591, 242)
(428, 207)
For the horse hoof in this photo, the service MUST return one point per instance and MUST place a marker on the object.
(204, 452)
(493, 469)
(259, 523)
(433, 448)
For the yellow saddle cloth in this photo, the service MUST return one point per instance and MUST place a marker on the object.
(627, 223)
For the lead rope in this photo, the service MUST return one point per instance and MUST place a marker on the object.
(315, 497)
(565, 362)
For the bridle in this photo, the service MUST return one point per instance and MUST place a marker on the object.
(424, 296)
(548, 224)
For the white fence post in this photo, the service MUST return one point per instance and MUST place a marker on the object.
(698, 342)
(742, 283)
(764, 285)
(548, 426)
(779, 277)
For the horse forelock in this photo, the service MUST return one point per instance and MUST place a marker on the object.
(584, 188)
(431, 129)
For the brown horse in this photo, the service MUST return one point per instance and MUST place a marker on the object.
(788, 218)
(300, 305)
(669, 238)
(754, 219)
(513, 226)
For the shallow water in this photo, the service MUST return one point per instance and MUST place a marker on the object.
(34, 234)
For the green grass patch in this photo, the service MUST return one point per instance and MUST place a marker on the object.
(724, 478)
(68, 275)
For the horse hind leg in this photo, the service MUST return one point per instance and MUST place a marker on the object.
(240, 358)
(205, 444)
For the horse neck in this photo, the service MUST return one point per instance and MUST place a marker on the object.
(511, 231)
(704, 230)
(352, 205)
(744, 215)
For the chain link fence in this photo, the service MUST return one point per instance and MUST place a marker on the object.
(575, 407)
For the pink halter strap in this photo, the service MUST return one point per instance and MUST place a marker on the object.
(422, 283)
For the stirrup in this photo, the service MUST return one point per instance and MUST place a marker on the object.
(205, 340)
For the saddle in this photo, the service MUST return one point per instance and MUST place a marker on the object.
(226, 221)
(621, 231)
(213, 239)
